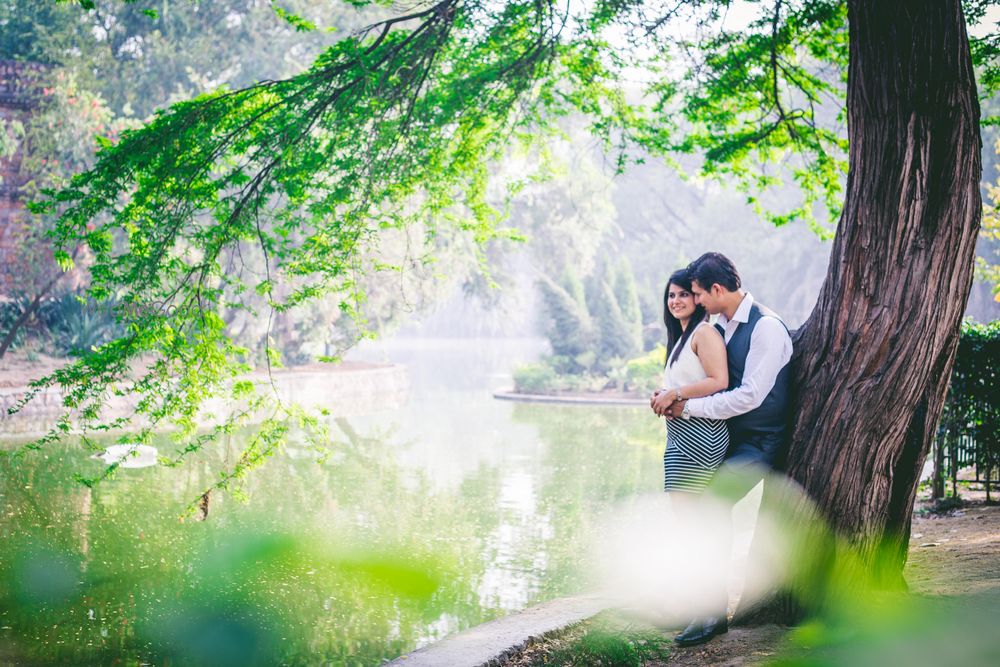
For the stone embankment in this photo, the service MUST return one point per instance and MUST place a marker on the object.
(630, 399)
(346, 389)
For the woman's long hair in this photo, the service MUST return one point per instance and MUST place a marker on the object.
(676, 335)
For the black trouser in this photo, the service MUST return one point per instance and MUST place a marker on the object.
(747, 462)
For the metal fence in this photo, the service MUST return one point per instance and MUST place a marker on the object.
(956, 450)
(968, 437)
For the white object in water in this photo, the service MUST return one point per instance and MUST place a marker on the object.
(129, 456)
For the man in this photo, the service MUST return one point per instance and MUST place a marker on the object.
(756, 404)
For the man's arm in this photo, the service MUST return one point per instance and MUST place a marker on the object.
(770, 351)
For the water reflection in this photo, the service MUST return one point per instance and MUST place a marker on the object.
(423, 521)
(128, 456)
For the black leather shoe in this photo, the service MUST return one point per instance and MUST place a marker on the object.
(700, 630)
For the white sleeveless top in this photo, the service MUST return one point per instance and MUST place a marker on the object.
(687, 369)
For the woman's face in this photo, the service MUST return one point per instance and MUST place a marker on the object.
(680, 302)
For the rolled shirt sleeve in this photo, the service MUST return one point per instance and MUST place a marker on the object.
(770, 350)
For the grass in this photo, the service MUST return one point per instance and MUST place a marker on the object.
(601, 641)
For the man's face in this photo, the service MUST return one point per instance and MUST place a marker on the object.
(708, 299)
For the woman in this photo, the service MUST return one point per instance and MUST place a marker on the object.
(695, 367)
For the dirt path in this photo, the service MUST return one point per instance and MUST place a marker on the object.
(955, 554)
(738, 647)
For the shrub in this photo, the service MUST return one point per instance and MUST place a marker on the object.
(537, 378)
(75, 326)
(645, 373)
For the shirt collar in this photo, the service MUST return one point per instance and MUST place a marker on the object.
(742, 313)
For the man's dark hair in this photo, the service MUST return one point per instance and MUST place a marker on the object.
(712, 268)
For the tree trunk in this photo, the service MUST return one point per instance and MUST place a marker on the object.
(873, 360)
(23, 318)
(33, 307)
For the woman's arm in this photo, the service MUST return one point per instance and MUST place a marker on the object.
(708, 346)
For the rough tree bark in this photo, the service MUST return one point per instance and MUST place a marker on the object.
(873, 360)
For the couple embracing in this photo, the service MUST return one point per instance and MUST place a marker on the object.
(725, 395)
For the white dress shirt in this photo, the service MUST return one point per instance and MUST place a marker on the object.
(770, 351)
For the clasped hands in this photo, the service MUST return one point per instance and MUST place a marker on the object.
(664, 403)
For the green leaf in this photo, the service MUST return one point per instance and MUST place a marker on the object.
(296, 21)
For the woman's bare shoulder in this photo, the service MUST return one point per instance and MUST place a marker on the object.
(706, 331)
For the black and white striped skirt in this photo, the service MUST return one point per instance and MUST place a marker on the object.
(695, 448)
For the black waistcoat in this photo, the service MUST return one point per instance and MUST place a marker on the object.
(771, 416)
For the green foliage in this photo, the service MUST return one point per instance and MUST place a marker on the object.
(534, 379)
(592, 329)
(985, 51)
(394, 128)
(11, 134)
(627, 297)
(645, 373)
(988, 266)
(557, 374)
(61, 135)
(602, 643)
(880, 629)
(56, 140)
(969, 431)
(73, 325)
(298, 22)
(618, 336)
(571, 331)
(139, 62)
(743, 96)
(613, 335)
(189, 48)
(168, 209)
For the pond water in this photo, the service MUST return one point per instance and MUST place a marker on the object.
(423, 520)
